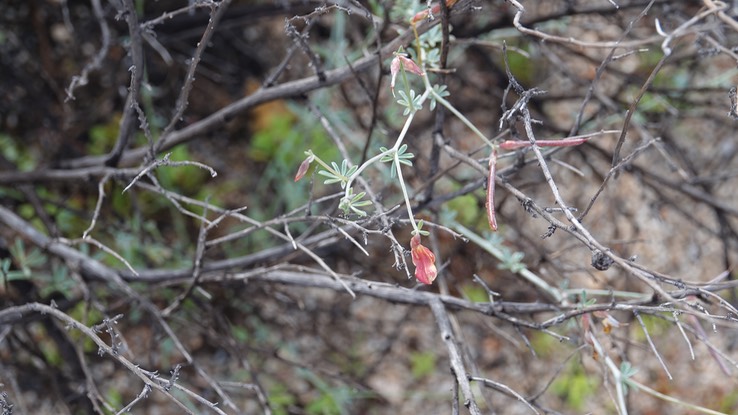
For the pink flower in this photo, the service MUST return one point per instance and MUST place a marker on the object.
(424, 261)
(406, 63)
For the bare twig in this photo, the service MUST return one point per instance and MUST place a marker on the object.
(141, 396)
(165, 161)
(217, 10)
(506, 390)
(11, 312)
(98, 205)
(653, 346)
(300, 40)
(128, 11)
(684, 335)
(568, 40)
(457, 365)
(97, 60)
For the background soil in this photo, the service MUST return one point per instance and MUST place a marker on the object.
(265, 322)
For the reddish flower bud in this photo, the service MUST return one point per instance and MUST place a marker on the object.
(401, 61)
(304, 166)
(433, 10)
(424, 261)
(421, 15)
(514, 144)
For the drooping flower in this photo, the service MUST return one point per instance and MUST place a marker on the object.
(402, 61)
(424, 261)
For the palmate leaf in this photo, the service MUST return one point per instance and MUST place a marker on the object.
(439, 90)
(331, 178)
(411, 103)
(352, 203)
(627, 370)
(402, 157)
(339, 174)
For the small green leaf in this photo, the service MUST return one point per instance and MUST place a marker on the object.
(387, 157)
(352, 203)
(511, 260)
(439, 90)
(411, 103)
(351, 171)
(627, 371)
(338, 174)
(331, 178)
(400, 155)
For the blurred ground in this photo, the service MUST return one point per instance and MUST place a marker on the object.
(317, 351)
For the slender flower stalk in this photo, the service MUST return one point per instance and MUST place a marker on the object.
(379, 156)
(442, 101)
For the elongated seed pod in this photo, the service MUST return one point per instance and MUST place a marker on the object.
(490, 204)
(566, 142)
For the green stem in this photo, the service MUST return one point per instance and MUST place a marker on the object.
(324, 164)
(418, 47)
(439, 99)
(632, 383)
(405, 195)
(376, 158)
(394, 148)
(497, 252)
